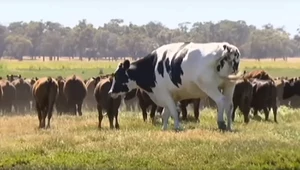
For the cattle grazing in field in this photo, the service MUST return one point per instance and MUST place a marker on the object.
(9, 95)
(264, 97)
(185, 70)
(106, 103)
(61, 103)
(45, 91)
(75, 92)
(242, 98)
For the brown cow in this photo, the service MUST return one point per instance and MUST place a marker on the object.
(9, 95)
(264, 97)
(61, 103)
(23, 95)
(242, 98)
(105, 102)
(90, 101)
(258, 74)
(45, 91)
(75, 92)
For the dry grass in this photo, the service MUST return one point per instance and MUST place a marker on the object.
(75, 142)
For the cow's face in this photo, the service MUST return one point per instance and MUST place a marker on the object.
(232, 56)
(288, 88)
(121, 82)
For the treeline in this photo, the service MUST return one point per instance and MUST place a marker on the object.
(115, 39)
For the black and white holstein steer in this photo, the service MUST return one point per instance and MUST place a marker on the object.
(184, 70)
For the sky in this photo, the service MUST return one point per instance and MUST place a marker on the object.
(170, 12)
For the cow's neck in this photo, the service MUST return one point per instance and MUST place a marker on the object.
(142, 72)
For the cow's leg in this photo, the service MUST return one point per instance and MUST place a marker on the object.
(228, 93)
(152, 113)
(233, 112)
(100, 116)
(49, 113)
(171, 111)
(38, 109)
(144, 110)
(213, 92)
(267, 112)
(116, 111)
(274, 109)
(183, 105)
(196, 104)
(165, 118)
(79, 106)
(111, 114)
(44, 115)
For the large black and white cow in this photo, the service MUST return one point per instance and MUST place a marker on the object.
(184, 70)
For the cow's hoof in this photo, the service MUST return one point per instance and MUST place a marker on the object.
(222, 125)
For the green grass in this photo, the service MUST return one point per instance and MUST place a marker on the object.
(76, 143)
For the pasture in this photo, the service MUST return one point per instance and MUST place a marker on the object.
(77, 143)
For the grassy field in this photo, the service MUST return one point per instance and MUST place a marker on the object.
(77, 143)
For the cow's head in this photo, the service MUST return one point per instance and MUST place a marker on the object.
(121, 82)
(231, 56)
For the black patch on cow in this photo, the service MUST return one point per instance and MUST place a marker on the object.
(121, 78)
(235, 66)
(181, 47)
(143, 72)
(167, 64)
(221, 64)
(176, 70)
(160, 65)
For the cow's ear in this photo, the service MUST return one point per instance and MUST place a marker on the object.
(126, 64)
(120, 65)
(226, 48)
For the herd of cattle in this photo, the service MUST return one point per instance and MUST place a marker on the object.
(256, 90)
